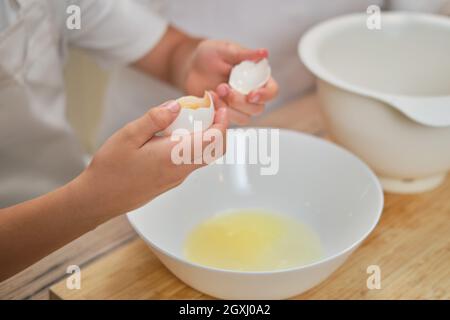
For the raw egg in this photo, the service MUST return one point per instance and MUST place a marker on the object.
(252, 240)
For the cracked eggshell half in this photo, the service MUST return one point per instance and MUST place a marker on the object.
(248, 75)
(196, 114)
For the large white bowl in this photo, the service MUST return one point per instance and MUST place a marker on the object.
(318, 182)
(409, 56)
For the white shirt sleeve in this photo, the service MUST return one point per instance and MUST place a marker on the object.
(115, 32)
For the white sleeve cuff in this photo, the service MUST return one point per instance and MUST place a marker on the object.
(117, 33)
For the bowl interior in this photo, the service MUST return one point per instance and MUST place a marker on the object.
(319, 183)
(409, 55)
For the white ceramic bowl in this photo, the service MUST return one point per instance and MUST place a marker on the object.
(409, 56)
(318, 182)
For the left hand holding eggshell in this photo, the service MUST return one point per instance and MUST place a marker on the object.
(214, 63)
(250, 87)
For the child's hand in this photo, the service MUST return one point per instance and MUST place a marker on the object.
(134, 166)
(195, 65)
(210, 67)
(131, 168)
(243, 107)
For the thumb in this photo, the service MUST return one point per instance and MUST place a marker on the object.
(236, 54)
(156, 119)
(255, 55)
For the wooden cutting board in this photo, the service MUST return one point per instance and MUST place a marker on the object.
(411, 245)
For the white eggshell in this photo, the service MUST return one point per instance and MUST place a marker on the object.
(193, 120)
(248, 76)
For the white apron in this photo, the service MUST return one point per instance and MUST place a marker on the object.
(38, 150)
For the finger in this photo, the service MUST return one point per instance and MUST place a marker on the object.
(238, 117)
(264, 94)
(156, 119)
(219, 125)
(240, 102)
(218, 103)
(223, 90)
(215, 138)
(234, 54)
(224, 68)
(197, 142)
(221, 119)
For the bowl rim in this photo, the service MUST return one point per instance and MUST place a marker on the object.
(308, 43)
(379, 210)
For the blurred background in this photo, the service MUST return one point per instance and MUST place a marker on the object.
(86, 85)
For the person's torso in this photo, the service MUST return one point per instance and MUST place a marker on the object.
(38, 151)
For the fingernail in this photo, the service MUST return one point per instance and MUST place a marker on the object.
(222, 91)
(255, 98)
(263, 52)
(173, 106)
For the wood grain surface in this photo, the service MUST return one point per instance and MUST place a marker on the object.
(411, 245)
(33, 283)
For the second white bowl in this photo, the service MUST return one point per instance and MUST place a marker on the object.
(408, 56)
